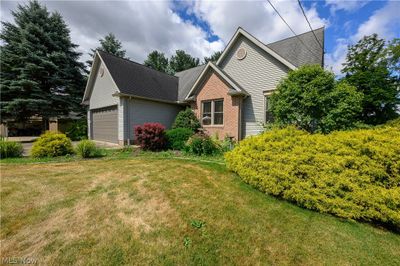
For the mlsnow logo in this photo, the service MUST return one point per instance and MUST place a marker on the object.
(18, 260)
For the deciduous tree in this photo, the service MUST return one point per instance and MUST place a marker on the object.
(158, 61)
(371, 67)
(311, 99)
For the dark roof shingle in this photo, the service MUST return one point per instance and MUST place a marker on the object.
(294, 51)
(138, 80)
(186, 80)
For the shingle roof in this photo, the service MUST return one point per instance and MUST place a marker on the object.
(294, 51)
(186, 80)
(138, 80)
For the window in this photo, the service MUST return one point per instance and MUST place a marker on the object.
(206, 117)
(268, 113)
(213, 112)
(219, 112)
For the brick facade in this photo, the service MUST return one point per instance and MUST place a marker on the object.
(214, 88)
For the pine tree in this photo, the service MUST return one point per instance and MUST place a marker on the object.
(40, 72)
(109, 44)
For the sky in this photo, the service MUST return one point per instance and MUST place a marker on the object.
(203, 27)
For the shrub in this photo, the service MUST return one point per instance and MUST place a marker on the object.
(10, 149)
(310, 98)
(187, 119)
(351, 174)
(77, 130)
(151, 136)
(52, 144)
(200, 144)
(87, 149)
(177, 137)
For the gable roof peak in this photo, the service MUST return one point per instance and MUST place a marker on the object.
(133, 62)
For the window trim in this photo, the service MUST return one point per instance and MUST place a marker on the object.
(212, 101)
(266, 94)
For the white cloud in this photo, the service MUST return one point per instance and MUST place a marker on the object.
(141, 26)
(346, 5)
(334, 60)
(257, 17)
(385, 22)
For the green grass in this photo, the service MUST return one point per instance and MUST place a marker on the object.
(154, 209)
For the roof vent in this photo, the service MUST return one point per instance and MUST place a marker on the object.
(101, 71)
(241, 53)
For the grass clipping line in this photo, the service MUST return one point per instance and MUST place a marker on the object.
(351, 174)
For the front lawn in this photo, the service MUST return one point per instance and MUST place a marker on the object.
(167, 211)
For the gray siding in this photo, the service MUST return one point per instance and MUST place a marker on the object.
(103, 89)
(256, 73)
(138, 111)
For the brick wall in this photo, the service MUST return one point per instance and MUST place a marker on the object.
(214, 88)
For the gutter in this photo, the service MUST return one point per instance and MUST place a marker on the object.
(131, 96)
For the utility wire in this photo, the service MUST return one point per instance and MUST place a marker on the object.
(309, 24)
(291, 29)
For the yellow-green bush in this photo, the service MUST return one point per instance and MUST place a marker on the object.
(51, 144)
(351, 174)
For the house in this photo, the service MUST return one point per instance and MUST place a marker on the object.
(230, 96)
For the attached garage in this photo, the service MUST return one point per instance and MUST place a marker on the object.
(105, 124)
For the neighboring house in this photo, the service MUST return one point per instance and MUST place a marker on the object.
(35, 125)
(230, 97)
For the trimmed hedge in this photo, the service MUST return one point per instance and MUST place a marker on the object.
(10, 149)
(177, 137)
(351, 174)
(52, 144)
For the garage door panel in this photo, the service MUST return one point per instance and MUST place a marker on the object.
(105, 124)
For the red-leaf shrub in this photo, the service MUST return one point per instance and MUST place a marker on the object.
(150, 136)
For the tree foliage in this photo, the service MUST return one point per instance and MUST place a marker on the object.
(311, 99)
(182, 61)
(40, 72)
(109, 44)
(371, 67)
(214, 57)
(158, 61)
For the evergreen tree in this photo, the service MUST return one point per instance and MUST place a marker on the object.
(109, 44)
(40, 72)
(214, 57)
(368, 68)
(182, 61)
(157, 60)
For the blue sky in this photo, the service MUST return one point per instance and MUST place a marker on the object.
(203, 27)
(342, 21)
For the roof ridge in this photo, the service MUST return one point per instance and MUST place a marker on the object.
(298, 35)
(190, 68)
(131, 61)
